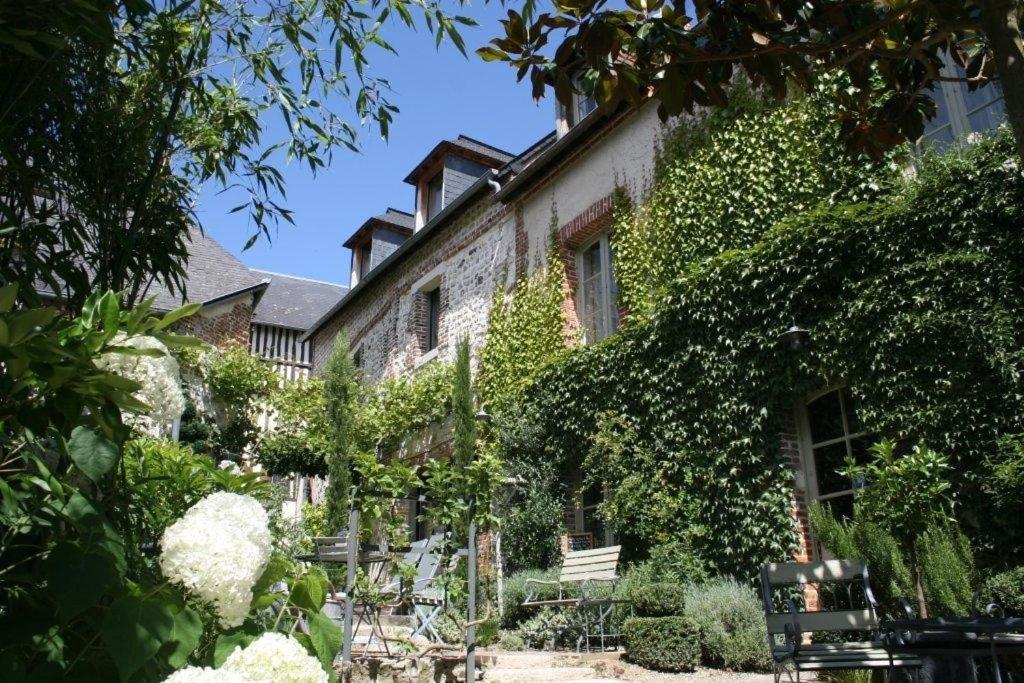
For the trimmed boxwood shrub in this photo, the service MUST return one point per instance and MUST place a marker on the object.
(662, 643)
(660, 599)
(1006, 589)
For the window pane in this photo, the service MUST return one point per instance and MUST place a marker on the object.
(828, 460)
(852, 407)
(435, 195)
(825, 417)
(841, 506)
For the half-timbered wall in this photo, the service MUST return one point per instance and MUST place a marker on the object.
(292, 358)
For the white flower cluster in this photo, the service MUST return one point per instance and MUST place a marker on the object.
(218, 550)
(203, 674)
(271, 658)
(160, 380)
(276, 658)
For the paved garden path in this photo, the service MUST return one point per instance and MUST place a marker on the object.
(549, 667)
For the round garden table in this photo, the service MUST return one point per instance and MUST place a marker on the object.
(954, 636)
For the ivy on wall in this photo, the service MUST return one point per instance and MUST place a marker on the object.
(915, 301)
(726, 176)
(525, 332)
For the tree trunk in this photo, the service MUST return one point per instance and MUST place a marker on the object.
(1001, 23)
(922, 605)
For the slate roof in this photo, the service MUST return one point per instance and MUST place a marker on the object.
(213, 274)
(393, 218)
(295, 302)
(464, 146)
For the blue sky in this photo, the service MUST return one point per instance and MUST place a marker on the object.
(440, 94)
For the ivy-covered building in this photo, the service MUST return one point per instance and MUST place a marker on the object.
(591, 226)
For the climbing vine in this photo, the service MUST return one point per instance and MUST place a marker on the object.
(914, 301)
(526, 331)
(726, 176)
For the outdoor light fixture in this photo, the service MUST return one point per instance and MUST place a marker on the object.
(483, 417)
(796, 337)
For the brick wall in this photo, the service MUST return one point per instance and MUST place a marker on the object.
(469, 257)
(789, 446)
(222, 324)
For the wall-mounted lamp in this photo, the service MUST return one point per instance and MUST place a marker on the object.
(795, 337)
(483, 417)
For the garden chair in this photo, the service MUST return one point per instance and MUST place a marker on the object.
(583, 569)
(788, 629)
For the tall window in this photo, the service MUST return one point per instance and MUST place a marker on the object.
(433, 317)
(365, 256)
(961, 111)
(435, 195)
(833, 432)
(596, 292)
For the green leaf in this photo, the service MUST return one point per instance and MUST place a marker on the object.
(186, 634)
(309, 591)
(277, 568)
(134, 631)
(235, 638)
(177, 314)
(8, 294)
(76, 579)
(92, 453)
(325, 637)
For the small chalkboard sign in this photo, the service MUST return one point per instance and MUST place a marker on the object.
(581, 541)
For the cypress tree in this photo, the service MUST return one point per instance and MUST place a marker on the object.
(340, 387)
(463, 420)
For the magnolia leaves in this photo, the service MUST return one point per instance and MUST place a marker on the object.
(92, 453)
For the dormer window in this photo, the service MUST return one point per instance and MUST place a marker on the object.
(435, 195)
(365, 258)
(583, 103)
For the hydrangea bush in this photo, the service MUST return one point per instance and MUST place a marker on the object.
(218, 551)
(275, 657)
(158, 374)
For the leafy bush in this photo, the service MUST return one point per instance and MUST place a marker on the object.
(658, 599)
(558, 628)
(286, 453)
(511, 641)
(675, 562)
(730, 619)
(517, 590)
(948, 572)
(1007, 590)
(662, 643)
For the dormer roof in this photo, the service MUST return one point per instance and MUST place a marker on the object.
(463, 146)
(392, 219)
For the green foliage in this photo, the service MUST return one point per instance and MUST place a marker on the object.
(286, 453)
(511, 641)
(903, 494)
(531, 508)
(551, 628)
(725, 177)
(240, 384)
(393, 408)
(662, 643)
(340, 388)
(517, 590)
(730, 620)
(463, 416)
(165, 479)
(1006, 589)
(525, 332)
(891, 576)
(940, 550)
(125, 111)
(914, 302)
(661, 599)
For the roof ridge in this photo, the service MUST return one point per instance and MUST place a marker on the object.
(406, 213)
(299, 277)
(463, 136)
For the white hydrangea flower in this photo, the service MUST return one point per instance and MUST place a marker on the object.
(160, 379)
(204, 674)
(230, 466)
(276, 658)
(218, 550)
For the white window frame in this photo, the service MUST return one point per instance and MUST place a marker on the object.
(610, 314)
(949, 96)
(807, 446)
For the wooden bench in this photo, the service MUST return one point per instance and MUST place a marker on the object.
(787, 629)
(583, 568)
